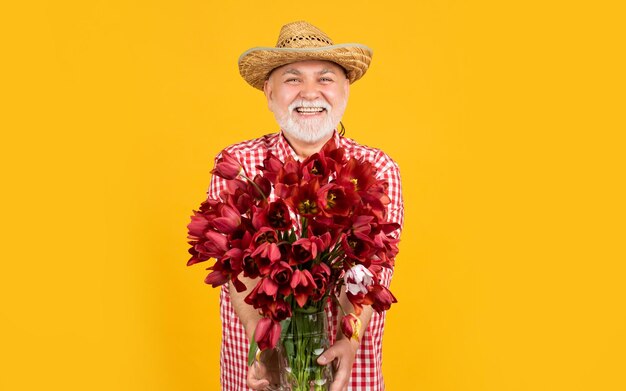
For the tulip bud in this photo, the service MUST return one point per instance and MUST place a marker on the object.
(267, 333)
(227, 167)
(351, 326)
(358, 279)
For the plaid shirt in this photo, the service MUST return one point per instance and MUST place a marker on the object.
(366, 372)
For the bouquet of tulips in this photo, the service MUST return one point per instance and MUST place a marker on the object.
(302, 231)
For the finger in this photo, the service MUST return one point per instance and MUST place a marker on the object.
(340, 382)
(257, 384)
(341, 377)
(328, 356)
(253, 380)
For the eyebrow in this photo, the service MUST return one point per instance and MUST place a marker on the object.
(291, 71)
(294, 71)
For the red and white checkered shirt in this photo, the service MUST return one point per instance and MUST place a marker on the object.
(366, 372)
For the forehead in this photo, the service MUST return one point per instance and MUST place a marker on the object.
(312, 66)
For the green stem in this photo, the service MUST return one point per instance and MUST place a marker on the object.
(303, 222)
(306, 331)
(258, 189)
(338, 304)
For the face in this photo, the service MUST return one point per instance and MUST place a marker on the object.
(308, 98)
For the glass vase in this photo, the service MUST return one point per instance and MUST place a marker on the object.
(305, 338)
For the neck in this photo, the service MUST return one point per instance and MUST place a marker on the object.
(305, 149)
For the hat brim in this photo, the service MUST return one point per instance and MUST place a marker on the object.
(256, 64)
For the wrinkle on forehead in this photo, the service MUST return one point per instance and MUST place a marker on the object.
(328, 67)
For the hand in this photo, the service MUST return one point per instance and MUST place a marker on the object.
(344, 351)
(264, 373)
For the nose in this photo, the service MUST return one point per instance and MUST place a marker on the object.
(309, 90)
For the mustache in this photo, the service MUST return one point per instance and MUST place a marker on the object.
(305, 103)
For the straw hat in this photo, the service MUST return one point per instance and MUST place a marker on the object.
(301, 41)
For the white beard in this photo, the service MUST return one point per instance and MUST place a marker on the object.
(309, 130)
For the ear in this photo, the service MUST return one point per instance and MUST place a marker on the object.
(346, 88)
(267, 89)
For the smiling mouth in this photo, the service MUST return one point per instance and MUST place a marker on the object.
(310, 110)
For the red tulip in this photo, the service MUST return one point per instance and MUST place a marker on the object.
(215, 244)
(278, 310)
(357, 302)
(265, 235)
(305, 199)
(266, 252)
(271, 167)
(321, 275)
(227, 167)
(305, 249)
(261, 188)
(362, 225)
(328, 228)
(227, 268)
(288, 179)
(337, 200)
(351, 326)
(358, 247)
(209, 206)
(315, 166)
(229, 219)
(221, 274)
(196, 256)
(281, 274)
(250, 267)
(267, 333)
(303, 286)
(278, 216)
(360, 175)
(275, 215)
(197, 226)
(380, 298)
(216, 277)
(335, 157)
(262, 294)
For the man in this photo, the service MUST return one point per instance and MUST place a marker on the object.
(306, 80)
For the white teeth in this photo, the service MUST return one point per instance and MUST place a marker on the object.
(309, 109)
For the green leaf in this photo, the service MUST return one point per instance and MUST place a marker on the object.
(284, 325)
(290, 348)
(252, 352)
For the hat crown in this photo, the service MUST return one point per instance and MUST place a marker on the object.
(302, 35)
(301, 41)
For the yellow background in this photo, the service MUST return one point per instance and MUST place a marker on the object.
(506, 119)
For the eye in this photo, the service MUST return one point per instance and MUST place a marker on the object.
(326, 79)
(292, 80)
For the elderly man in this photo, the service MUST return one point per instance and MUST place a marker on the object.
(306, 80)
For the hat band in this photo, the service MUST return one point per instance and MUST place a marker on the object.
(303, 38)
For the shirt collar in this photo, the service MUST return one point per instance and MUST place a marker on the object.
(285, 150)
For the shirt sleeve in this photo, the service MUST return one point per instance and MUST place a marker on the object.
(395, 209)
(217, 184)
